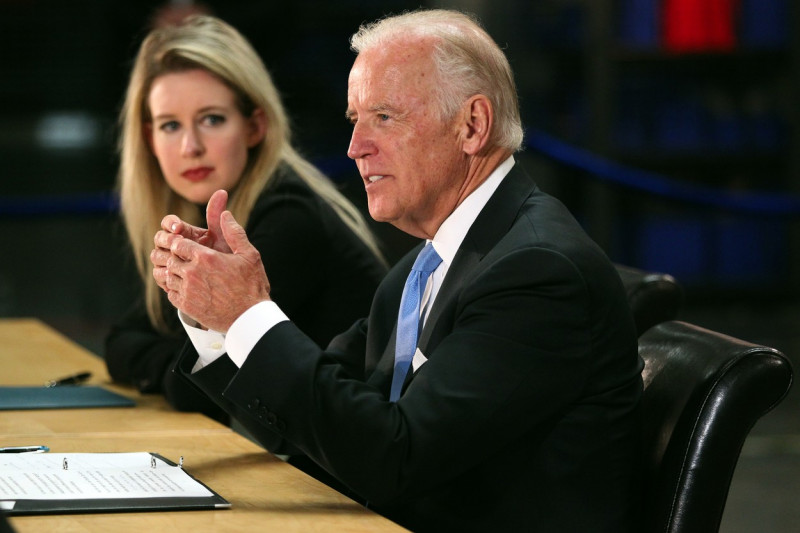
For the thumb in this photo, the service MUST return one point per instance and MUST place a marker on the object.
(234, 234)
(216, 205)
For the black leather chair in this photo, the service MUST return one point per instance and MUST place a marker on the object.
(654, 297)
(703, 392)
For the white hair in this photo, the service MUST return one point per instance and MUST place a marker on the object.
(467, 62)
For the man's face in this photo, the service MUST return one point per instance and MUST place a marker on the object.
(410, 160)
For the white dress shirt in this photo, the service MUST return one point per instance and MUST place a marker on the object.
(254, 323)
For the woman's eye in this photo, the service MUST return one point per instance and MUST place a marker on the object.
(169, 126)
(213, 120)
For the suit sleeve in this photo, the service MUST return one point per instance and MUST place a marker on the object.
(257, 416)
(518, 354)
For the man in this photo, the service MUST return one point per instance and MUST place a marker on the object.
(518, 407)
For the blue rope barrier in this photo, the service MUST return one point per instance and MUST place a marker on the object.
(776, 204)
(68, 204)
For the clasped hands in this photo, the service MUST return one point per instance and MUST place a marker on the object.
(211, 275)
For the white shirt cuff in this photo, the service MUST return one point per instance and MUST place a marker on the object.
(210, 344)
(248, 329)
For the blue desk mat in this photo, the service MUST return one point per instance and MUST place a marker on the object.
(63, 397)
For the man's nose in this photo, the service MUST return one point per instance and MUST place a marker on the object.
(361, 144)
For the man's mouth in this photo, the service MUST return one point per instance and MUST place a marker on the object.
(373, 179)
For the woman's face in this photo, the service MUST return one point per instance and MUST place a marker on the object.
(198, 134)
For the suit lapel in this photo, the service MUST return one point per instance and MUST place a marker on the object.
(492, 223)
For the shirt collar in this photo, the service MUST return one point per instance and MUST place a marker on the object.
(455, 227)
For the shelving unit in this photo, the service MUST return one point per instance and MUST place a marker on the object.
(721, 116)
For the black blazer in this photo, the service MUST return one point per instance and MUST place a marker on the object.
(5, 527)
(524, 417)
(322, 275)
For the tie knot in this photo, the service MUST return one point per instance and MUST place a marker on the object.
(427, 260)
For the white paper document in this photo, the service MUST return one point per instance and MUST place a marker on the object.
(69, 476)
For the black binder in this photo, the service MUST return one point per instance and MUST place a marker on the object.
(20, 507)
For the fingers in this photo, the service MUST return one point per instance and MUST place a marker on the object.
(168, 244)
(184, 250)
(160, 275)
(165, 279)
(168, 271)
(171, 223)
(160, 255)
(173, 279)
(235, 235)
(163, 242)
(213, 287)
(216, 205)
(169, 255)
(159, 258)
(174, 225)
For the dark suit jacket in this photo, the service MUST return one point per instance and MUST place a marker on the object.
(5, 527)
(524, 417)
(323, 277)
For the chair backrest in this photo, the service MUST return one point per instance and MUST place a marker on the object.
(703, 391)
(654, 297)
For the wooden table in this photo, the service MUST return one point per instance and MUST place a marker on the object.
(266, 494)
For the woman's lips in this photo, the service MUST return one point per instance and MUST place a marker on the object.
(197, 174)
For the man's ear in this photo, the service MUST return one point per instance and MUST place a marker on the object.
(257, 124)
(478, 119)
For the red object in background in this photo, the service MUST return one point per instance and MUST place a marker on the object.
(699, 25)
(683, 25)
(722, 24)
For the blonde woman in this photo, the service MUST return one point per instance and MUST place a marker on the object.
(201, 113)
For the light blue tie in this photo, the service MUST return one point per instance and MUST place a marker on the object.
(408, 321)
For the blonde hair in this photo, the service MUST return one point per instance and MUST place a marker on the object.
(467, 62)
(210, 44)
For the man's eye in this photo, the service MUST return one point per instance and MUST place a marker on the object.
(383, 117)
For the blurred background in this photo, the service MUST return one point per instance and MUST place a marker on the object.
(671, 128)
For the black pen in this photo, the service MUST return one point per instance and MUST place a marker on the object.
(24, 449)
(69, 380)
